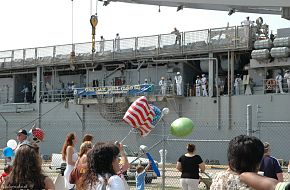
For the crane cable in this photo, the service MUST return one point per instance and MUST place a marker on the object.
(94, 22)
(72, 54)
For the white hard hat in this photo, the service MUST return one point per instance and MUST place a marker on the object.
(178, 73)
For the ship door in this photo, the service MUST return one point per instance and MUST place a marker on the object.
(23, 88)
(119, 81)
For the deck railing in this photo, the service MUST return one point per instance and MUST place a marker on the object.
(200, 41)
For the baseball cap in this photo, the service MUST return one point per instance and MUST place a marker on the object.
(266, 145)
(23, 131)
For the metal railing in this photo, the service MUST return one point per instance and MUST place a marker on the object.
(218, 39)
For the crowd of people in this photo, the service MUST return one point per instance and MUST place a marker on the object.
(168, 87)
(250, 167)
(100, 166)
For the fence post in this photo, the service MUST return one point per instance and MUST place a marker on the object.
(249, 120)
(82, 121)
(163, 156)
(6, 125)
(164, 111)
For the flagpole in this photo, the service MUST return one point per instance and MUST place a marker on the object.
(126, 136)
(165, 111)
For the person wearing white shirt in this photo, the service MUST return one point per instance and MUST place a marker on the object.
(287, 77)
(102, 45)
(178, 81)
(22, 138)
(197, 86)
(247, 24)
(203, 85)
(163, 85)
(102, 168)
(117, 42)
(279, 80)
(69, 156)
(237, 84)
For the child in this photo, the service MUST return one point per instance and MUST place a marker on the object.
(7, 170)
(140, 176)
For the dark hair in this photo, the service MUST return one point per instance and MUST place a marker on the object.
(88, 137)
(245, 153)
(190, 147)
(26, 170)
(7, 168)
(287, 187)
(99, 163)
(139, 169)
(68, 142)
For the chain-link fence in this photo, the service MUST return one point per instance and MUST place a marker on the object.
(103, 122)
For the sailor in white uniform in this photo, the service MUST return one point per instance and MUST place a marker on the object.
(247, 24)
(197, 86)
(163, 85)
(237, 84)
(117, 42)
(203, 85)
(178, 81)
(279, 80)
(287, 77)
(102, 45)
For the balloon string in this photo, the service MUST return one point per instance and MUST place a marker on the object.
(126, 136)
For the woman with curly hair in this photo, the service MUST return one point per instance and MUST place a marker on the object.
(70, 156)
(26, 172)
(244, 155)
(102, 169)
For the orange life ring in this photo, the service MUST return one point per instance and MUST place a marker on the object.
(271, 84)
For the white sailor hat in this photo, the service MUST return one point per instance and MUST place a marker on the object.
(178, 73)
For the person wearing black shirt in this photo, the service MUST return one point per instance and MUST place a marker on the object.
(189, 165)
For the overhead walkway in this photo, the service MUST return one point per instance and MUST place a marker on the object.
(144, 47)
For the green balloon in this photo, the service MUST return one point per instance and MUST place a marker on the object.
(181, 127)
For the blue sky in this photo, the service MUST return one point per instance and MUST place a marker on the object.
(38, 23)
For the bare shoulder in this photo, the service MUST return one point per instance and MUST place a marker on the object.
(70, 149)
(49, 185)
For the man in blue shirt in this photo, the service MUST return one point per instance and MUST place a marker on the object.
(270, 165)
(140, 176)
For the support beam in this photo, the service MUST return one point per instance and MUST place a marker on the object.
(211, 75)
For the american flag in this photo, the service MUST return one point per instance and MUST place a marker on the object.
(140, 116)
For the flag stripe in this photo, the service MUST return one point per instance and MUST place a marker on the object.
(140, 116)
